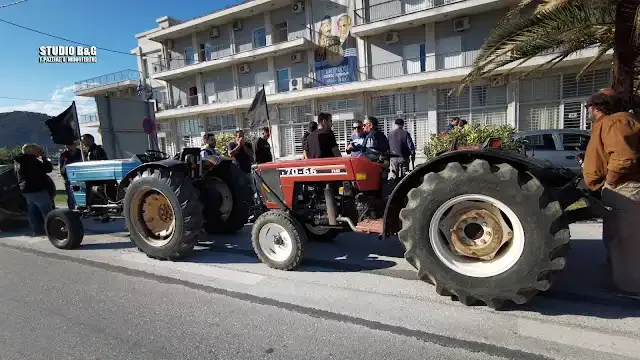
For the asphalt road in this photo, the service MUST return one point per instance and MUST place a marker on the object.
(354, 299)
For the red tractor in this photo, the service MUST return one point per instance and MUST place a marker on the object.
(481, 225)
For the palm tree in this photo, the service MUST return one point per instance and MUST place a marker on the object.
(565, 27)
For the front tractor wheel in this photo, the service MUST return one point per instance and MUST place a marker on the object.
(279, 240)
(493, 233)
(64, 229)
(163, 213)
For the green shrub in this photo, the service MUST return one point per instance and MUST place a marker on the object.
(222, 139)
(472, 135)
(8, 154)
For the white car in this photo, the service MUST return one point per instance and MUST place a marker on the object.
(559, 146)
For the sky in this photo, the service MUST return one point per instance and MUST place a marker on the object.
(108, 24)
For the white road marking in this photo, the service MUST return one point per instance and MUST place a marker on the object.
(199, 269)
(586, 339)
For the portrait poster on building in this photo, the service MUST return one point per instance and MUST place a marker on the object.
(336, 57)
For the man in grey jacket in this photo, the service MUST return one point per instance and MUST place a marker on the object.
(401, 144)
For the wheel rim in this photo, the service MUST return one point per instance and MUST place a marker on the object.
(227, 197)
(154, 217)
(476, 235)
(57, 230)
(275, 242)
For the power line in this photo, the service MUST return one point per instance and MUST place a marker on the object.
(11, 4)
(65, 39)
(77, 42)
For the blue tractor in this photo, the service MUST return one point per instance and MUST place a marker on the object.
(166, 203)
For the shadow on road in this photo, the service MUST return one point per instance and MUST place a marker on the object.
(577, 290)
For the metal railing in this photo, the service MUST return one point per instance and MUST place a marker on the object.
(88, 118)
(239, 45)
(394, 8)
(430, 63)
(438, 62)
(109, 79)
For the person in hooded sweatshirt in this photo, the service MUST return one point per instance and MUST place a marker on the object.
(32, 167)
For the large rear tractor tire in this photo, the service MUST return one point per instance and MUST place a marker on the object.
(484, 232)
(234, 196)
(279, 240)
(163, 213)
(64, 229)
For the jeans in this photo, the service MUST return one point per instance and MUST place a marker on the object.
(71, 203)
(38, 206)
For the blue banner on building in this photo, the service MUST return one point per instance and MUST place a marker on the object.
(336, 57)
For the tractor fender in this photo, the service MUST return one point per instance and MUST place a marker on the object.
(162, 164)
(549, 176)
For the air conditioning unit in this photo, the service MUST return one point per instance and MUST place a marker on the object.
(237, 25)
(498, 81)
(297, 57)
(298, 7)
(244, 68)
(461, 24)
(169, 44)
(214, 33)
(295, 84)
(391, 37)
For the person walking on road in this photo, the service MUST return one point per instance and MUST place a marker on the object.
(611, 165)
(354, 147)
(32, 180)
(71, 155)
(401, 144)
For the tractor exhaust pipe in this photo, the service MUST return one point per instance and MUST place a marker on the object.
(330, 200)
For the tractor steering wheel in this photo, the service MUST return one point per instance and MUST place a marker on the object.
(156, 155)
(380, 155)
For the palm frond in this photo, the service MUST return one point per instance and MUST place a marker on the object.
(601, 52)
(563, 26)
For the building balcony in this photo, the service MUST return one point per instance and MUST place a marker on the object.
(89, 120)
(220, 17)
(241, 50)
(110, 82)
(398, 14)
(429, 70)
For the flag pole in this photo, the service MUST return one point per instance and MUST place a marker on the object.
(266, 106)
(75, 115)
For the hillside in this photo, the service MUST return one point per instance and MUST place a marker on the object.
(21, 127)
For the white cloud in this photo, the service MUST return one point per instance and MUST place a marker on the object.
(60, 100)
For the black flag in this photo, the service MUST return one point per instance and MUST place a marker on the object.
(258, 115)
(64, 128)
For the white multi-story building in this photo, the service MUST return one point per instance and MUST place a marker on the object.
(352, 58)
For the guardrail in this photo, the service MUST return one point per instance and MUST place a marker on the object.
(109, 79)
(429, 63)
(228, 48)
(395, 8)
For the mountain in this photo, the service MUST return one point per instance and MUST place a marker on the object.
(20, 127)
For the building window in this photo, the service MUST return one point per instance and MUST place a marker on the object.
(259, 38)
(280, 33)
(283, 80)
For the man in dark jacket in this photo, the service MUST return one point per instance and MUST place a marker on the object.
(375, 139)
(311, 127)
(401, 144)
(263, 148)
(93, 152)
(69, 156)
(32, 180)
